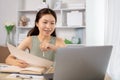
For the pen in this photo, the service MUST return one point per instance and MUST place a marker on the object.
(43, 54)
(24, 76)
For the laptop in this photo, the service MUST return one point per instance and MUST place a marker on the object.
(82, 63)
(74, 45)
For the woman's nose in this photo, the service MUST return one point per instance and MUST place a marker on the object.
(48, 25)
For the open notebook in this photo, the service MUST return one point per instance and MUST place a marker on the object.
(27, 70)
(34, 62)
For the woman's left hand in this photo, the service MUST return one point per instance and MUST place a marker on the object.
(45, 46)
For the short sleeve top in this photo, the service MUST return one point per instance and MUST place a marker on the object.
(35, 49)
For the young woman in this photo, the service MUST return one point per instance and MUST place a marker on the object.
(41, 40)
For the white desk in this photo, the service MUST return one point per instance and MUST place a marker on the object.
(4, 75)
(18, 76)
(47, 77)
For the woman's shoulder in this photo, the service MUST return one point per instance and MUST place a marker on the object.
(57, 38)
(60, 41)
(27, 40)
(30, 37)
(25, 43)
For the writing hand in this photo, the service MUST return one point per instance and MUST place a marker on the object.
(44, 46)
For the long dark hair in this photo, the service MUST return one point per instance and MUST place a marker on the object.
(42, 12)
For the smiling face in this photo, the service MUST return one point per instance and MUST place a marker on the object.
(46, 25)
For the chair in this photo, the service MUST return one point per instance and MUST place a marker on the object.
(4, 52)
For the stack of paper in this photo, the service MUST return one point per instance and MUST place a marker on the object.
(29, 58)
(26, 77)
(27, 70)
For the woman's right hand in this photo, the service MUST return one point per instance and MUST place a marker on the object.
(20, 63)
(12, 60)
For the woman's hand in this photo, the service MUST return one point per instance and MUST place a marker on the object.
(20, 63)
(45, 46)
(11, 60)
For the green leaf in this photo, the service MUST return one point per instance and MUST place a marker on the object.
(67, 41)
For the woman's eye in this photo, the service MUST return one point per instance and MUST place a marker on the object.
(52, 23)
(45, 22)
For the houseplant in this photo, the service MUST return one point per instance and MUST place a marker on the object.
(9, 27)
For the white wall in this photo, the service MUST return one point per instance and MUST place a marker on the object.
(112, 37)
(73, 1)
(8, 12)
(95, 22)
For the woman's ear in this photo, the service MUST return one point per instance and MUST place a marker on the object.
(36, 24)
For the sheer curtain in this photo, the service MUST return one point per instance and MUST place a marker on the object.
(112, 36)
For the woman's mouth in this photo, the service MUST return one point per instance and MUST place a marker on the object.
(47, 31)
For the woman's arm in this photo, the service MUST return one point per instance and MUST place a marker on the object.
(12, 60)
(47, 46)
(60, 43)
